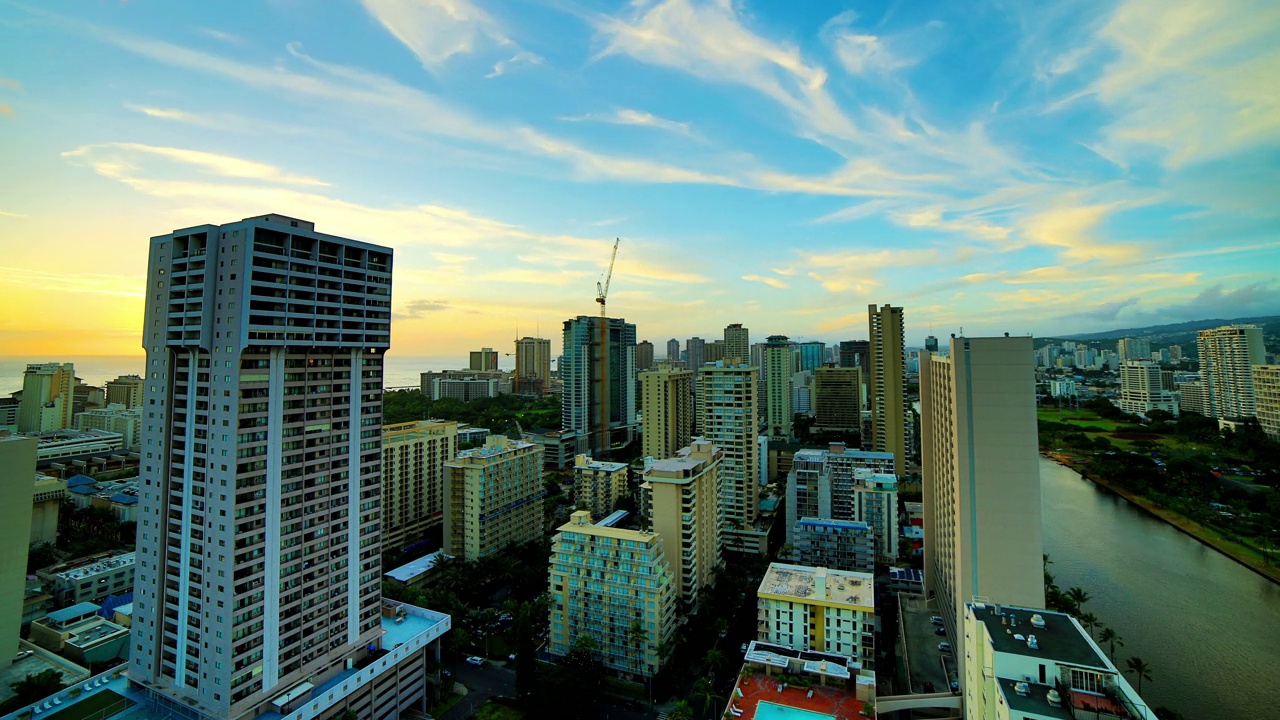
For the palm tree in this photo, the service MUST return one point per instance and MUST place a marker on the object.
(1089, 620)
(1078, 596)
(1140, 670)
(713, 659)
(1112, 638)
(681, 711)
(703, 689)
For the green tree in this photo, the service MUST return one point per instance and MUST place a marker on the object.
(1140, 670)
(681, 711)
(1089, 620)
(1079, 596)
(1112, 639)
(36, 686)
(706, 691)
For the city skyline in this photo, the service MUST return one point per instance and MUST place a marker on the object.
(1094, 172)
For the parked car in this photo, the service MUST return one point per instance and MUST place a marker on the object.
(744, 648)
(479, 661)
(23, 654)
(940, 631)
(943, 647)
(936, 619)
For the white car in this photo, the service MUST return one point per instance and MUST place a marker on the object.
(475, 660)
(944, 647)
(23, 654)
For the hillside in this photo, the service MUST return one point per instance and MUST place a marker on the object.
(1174, 334)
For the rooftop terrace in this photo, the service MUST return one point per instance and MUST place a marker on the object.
(758, 697)
(801, 582)
(1060, 638)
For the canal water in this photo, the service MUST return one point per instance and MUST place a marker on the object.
(1208, 627)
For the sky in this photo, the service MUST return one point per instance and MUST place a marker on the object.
(990, 165)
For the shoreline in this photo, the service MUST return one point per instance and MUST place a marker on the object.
(1176, 520)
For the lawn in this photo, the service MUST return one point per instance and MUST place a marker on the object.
(493, 711)
(1077, 417)
(92, 707)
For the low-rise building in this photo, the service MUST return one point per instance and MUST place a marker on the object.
(116, 418)
(835, 544)
(616, 587)
(839, 484)
(558, 447)
(1031, 664)
(81, 634)
(72, 444)
(598, 484)
(909, 580)
(1194, 398)
(818, 609)
(118, 496)
(417, 573)
(1062, 387)
(89, 579)
(46, 500)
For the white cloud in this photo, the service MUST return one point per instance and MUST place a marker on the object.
(764, 279)
(436, 30)
(628, 116)
(108, 161)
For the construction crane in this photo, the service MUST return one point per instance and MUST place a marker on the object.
(602, 294)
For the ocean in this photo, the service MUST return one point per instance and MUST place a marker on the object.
(98, 369)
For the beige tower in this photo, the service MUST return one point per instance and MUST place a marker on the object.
(47, 394)
(125, 390)
(598, 485)
(493, 498)
(981, 476)
(680, 499)
(666, 403)
(737, 344)
(1266, 386)
(837, 399)
(886, 375)
(413, 458)
(17, 475)
(533, 366)
(727, 398)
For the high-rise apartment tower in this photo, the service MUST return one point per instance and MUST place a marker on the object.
(1227, 357)
(599, 411)
(886, 377)
(533, 366)
(737, 344)
(259, 521)
(666, 404)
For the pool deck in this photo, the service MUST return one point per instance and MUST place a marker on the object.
(830, 701)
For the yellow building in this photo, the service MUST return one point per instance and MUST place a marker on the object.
(413, 458)
(818, 609)
(533, 366)
(680, 500)
(48, 394)
(615, 586)
(493, 498)
(666, 404)
(598, 484)
(125, 390)
(17, 468)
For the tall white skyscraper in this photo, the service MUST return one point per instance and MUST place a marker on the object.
(1227, 357)
(981, 476)
(259, 512)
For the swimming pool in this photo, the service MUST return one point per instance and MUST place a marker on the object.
(773, 711)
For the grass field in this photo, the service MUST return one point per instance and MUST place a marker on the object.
(1077, 417)
(99, 706)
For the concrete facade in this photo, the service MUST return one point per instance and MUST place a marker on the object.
(1227, 357)
(493, 498)
(727, 403)
(886, 375)
(599, 410)
(981, 476)
(679, 496)
(413, 458)
(629, 609)
(780, 363)
(17, 468)
(666, 406)
(598, 485)
(818, 609)
(837, 399)
(1142, 389)
(533, 366)
(1266, 388)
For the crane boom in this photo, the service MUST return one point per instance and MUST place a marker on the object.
(602, 291)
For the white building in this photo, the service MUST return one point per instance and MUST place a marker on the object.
(259, 541)
(1028, 664)
(1062, 388)
(841, 484)
(115, 418)
(818, 609)
(1142, 389)
(1227, 357)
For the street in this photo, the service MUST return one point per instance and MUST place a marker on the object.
(492, 681)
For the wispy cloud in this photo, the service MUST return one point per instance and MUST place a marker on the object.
(4, 213)
(108, 162)
(627, 116)
(7, 111)
(436, 30)
(417, 308)
(766, 280)
(220, 36)
(74, 282)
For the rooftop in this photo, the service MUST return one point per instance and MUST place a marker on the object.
(1061, 639)
(761, 697)
(413, 569)
(600, 465)
(73, 612)
(798, 581)
(1033, 701)
(117, 562)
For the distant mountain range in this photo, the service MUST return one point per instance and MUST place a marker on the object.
(1174, 334)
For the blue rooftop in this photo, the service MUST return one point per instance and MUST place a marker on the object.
(75, 611)
(84, 489)
(80, 480)
(124, 499)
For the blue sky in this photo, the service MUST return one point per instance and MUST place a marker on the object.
(1040, 167)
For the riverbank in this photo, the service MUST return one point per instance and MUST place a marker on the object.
(1205, 535)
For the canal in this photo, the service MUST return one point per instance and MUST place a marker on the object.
(1209, 627)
